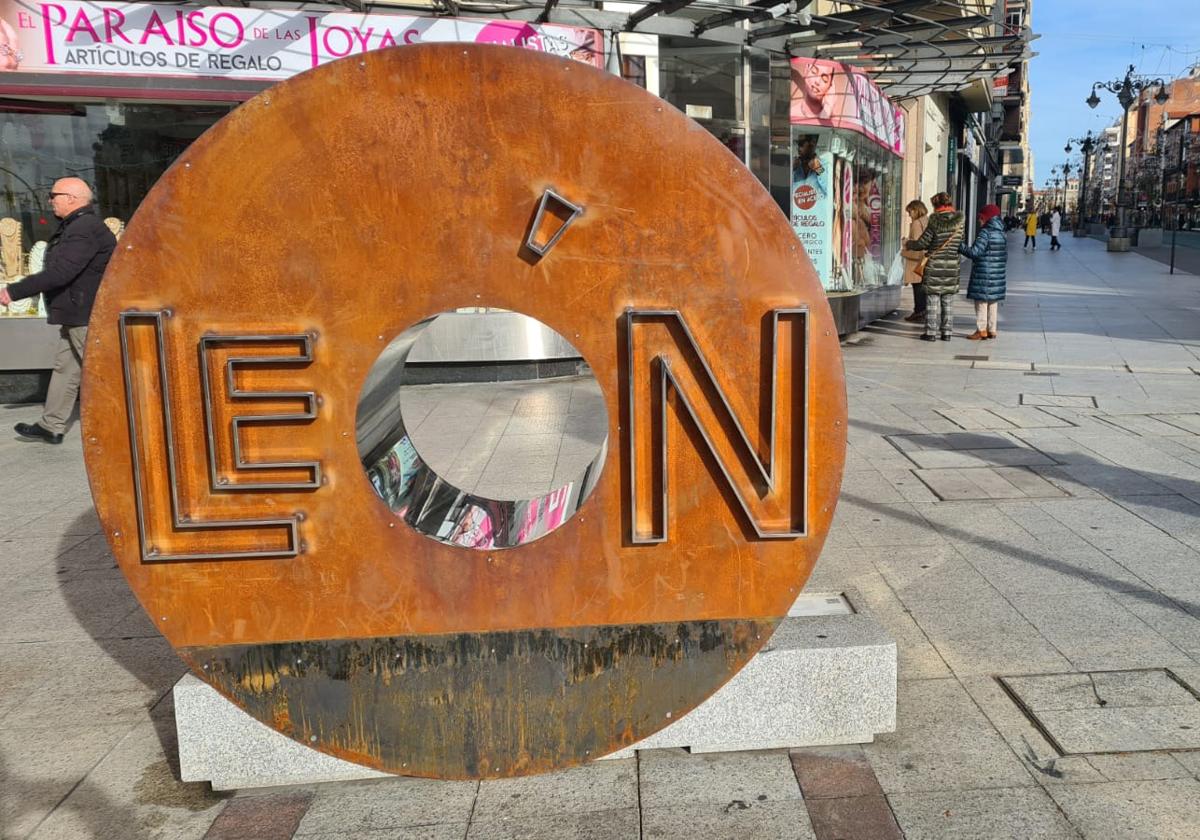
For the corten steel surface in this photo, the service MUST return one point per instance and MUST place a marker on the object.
(286, 248)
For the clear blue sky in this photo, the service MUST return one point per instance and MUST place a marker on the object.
(1084, 41)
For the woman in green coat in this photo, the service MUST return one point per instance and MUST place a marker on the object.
(940, 241)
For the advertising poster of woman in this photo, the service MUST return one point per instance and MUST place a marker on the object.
(812, 201)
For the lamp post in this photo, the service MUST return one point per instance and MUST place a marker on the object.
(1180, 183)
(1087, 144)
(1128, 90)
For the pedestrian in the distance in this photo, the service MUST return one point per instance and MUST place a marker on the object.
(1055, 229)
(940, 243)
(1031, 230)
(76, 257)
(989, 270)
(918, 220)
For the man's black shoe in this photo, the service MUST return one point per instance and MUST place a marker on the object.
(34, 431)
(929, 338)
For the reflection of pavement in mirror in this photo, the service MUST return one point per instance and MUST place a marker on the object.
(507, 440)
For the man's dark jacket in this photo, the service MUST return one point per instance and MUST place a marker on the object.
(76, 257)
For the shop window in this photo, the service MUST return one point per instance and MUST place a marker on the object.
(707, 84)
(845, 194)
(119, 149)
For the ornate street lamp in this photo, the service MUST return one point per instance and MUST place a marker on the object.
(1087, 144)
(1128, 91)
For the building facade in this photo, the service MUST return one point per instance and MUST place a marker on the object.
(114, 94)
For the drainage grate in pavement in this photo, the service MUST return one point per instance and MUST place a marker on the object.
(962, 358)
(1059, 400)
(1110, 711)
(1040, 373)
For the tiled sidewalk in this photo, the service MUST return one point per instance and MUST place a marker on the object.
(1031, 512)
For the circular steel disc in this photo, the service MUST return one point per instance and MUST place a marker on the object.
(262, 277)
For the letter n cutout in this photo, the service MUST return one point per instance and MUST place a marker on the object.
(764, 474)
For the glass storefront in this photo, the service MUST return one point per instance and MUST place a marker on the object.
(121, 149)
(845, 206)
(845, 203)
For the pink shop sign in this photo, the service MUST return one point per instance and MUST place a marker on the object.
(832, 94)
(142, 39)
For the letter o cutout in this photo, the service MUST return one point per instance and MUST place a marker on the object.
(261, 278)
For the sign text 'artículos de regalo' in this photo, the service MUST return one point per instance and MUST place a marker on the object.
(238, 335)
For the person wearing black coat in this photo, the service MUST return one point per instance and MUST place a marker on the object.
(940, 241)
(77, 255)
(989, 271)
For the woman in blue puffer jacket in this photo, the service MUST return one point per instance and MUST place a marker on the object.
(989, 270)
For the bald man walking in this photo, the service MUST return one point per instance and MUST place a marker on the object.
(76, 257)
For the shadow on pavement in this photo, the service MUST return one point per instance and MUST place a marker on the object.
(1144, 593)
(132, 641)
(105, 820)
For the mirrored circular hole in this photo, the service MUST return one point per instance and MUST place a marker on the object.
(482, 428)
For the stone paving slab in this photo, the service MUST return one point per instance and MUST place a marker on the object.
(988, 483)
(952, 441)
(1016, 456)
(1139, 767)
(1016, 813)
(1132, 810)
(1105, 689)
(388, 804)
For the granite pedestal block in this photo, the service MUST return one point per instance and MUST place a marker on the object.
(828, 676)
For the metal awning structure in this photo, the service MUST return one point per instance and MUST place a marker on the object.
(911, 47)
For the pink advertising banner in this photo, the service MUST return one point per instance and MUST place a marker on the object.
(239, 43)
(831, 94)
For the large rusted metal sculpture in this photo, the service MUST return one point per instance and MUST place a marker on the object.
(286, 248)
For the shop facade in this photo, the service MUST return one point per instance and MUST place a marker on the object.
(113, 94)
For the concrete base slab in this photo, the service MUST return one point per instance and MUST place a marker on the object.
(827, 677)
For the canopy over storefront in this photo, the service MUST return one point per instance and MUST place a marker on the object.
(911, 47)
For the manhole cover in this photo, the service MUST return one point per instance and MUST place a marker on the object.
(1110, 711)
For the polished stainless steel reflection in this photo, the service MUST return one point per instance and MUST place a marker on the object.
(425, 499)
(456, 337)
